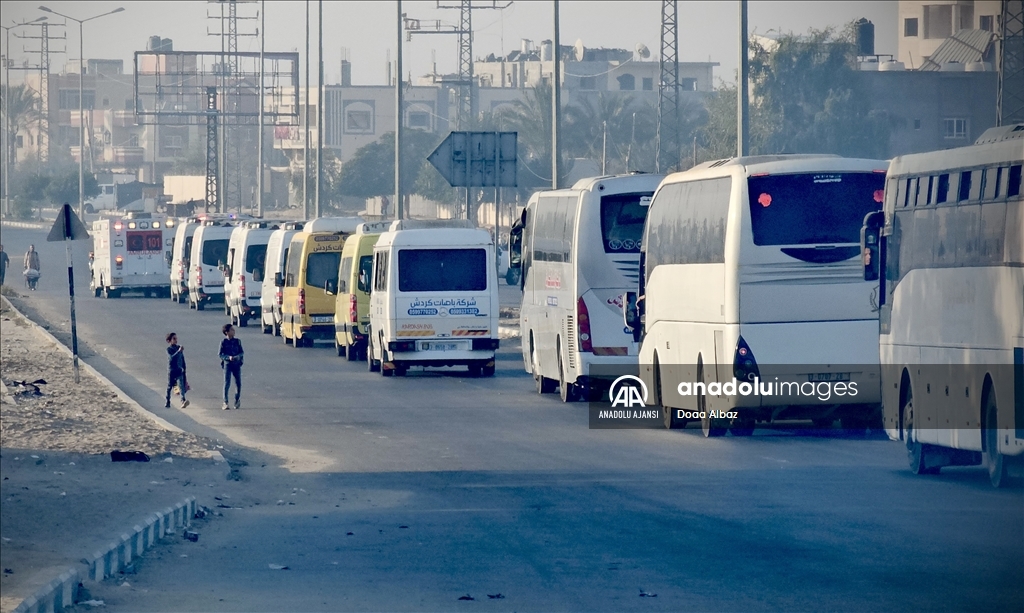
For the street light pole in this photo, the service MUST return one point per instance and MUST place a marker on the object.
(81, 99)
(399, 103)
(556, 101)
(7, 148)
(259, 144)
(319, 103)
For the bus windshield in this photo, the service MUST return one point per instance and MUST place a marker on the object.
(814, 208)
(622, 222)
(442, 270)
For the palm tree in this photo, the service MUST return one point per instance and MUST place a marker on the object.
(22, 112)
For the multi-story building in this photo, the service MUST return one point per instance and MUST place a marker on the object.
(926, 24)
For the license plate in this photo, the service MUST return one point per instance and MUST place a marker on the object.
(441, 346)
(323, 319)
(829, 376)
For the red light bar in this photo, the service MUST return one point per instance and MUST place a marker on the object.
(759, 174)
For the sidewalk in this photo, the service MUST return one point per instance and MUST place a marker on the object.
(61, 497)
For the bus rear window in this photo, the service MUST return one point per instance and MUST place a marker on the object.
(442, 270)
(215, 252)
(622, 222)
(813, 208)
(255, 258)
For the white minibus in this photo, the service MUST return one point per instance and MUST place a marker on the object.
(578, 252)
(271, 295)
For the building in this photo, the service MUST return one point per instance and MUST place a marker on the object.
(925, 24)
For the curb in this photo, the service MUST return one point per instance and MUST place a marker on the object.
(25, 225)
(138, 408)
(63, 590)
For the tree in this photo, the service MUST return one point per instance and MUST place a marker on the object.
(371, 171)
(22, 112)
(63, 186)
(804, 99)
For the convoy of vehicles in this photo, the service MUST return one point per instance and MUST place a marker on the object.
(244, 270)
(131, 253)
(749, 273)
(578, 252)
(947, 259)
(434, 298)
(352, 303)
(271, 294)
(310, 278)
(743, 270)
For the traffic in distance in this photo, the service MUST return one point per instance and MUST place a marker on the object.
(740, 293)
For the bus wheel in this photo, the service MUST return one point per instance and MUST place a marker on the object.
(487, 370)
(918, 453)
(266, 329)
(352, 353)
(711, 427)
(371, 364)
(108, 293)
(568, 392)
(995, 461)
(669, 414)
(544, 385)
(199, 305)
(96, 292)
(339, 348)
(742, 426)
(243, 321)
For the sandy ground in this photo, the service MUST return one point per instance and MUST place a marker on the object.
(61, 496)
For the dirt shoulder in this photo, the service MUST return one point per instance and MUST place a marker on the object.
(61, 496)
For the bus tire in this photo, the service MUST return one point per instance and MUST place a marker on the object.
(371, 364)
(711, 427)
(668, 414)
(567, 392)
(742, 426)
(352, 353)
(339, 348)
(918, 453)
(995, 462)
(385, 372)
(474, 370)
(487, 370)
(543, 384)
(200, 306)
(243, 321)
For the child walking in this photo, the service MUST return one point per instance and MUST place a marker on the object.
(231, 357)
(175, 370)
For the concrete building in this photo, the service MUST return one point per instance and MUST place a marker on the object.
(926, 24)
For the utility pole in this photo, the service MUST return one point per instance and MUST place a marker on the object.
(319, 104)
(668, 90)
(556, 102)
(399, 106)
(259, 121)
(44, 38)
(305, 129)
(1010, 99)
(742, 98)
(8, 144)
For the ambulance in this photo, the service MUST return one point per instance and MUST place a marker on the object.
(131, 253)
(433, 298)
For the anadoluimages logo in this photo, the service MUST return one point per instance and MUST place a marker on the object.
(628, 391)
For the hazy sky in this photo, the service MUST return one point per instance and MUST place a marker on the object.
(707, 30)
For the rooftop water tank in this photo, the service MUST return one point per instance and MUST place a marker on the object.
(546, 50)
(951, 67)
(892, 66)
(978, 67)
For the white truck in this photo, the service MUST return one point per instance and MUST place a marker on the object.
(131, 253)
(434, 298)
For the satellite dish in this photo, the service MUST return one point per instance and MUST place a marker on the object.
(578, 50)
(643, 51)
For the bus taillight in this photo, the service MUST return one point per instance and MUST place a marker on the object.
(583, 326)
(353, 310)
(302, 301)
(241, 287)
(743, 364)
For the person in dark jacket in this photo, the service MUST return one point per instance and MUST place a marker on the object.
(231, 358)
(175, 370)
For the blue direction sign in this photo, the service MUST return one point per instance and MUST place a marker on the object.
(477, 159)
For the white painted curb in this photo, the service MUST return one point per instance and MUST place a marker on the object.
(62, 591)
(25, 225)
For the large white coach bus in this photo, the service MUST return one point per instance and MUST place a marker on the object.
(578, 250)
(749, 269)
(949, 248)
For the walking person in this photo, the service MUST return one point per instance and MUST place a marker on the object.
(32, 268)
(175, 370)
(4, 263)
(231, 358)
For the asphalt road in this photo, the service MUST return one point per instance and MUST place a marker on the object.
(407, 493)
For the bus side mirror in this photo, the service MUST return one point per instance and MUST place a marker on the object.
(515, 247)
(278, 279)
(630, 314)
(871, 245)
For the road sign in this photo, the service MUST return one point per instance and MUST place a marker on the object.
(477, 159)
(67, 226)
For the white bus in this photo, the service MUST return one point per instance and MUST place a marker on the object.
(578, 250)
(750, 271)
(950, 250)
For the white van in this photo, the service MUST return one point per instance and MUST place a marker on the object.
(276, 256)
(181, 252)
(209, 255)
(245, 269)
(434, 298)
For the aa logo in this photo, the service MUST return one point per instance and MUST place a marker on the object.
(628, 391)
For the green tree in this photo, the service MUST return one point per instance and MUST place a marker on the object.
(371, 171)
(63, 187)
(22, 111)
(804, 99)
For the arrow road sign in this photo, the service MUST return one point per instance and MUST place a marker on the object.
(477, 159)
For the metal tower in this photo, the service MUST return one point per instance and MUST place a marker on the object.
(1010, 98)
(43, 141)
(668, 90)
(212, 188)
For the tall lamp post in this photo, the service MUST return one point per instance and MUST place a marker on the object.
(81, 98)
(7, 111)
